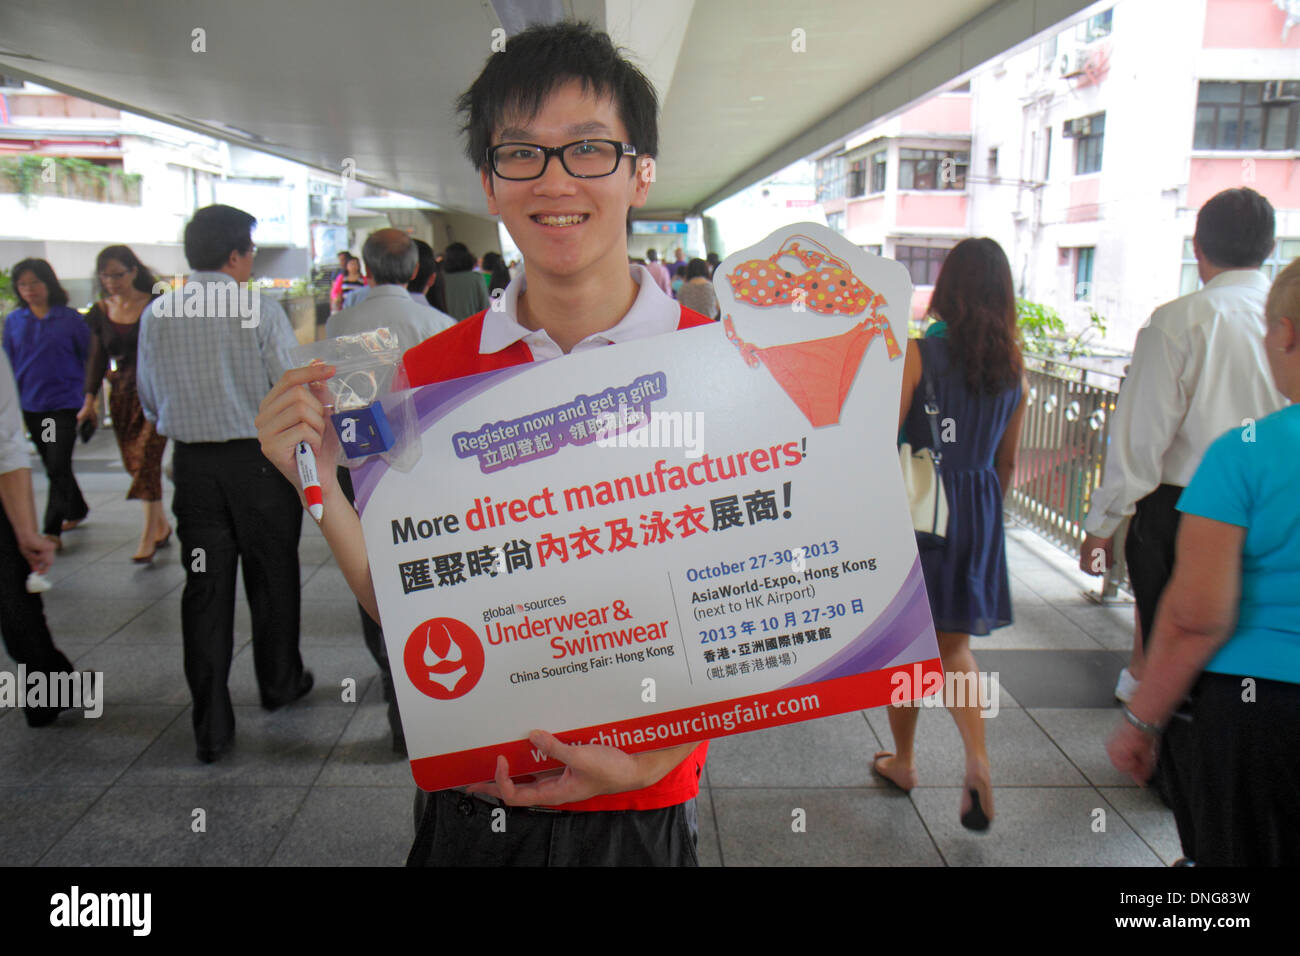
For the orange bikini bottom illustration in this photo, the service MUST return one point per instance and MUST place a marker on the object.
(817, 375)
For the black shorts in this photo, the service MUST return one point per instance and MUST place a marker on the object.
(455, 829)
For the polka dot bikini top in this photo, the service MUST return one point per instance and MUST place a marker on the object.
(816, 374)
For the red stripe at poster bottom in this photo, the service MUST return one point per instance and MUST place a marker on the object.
(738, 715)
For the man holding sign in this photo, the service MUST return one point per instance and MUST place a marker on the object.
(563, 131)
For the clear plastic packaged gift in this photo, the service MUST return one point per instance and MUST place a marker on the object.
(373, 407)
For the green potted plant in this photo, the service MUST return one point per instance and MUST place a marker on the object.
(8, 298)
(1045, 333)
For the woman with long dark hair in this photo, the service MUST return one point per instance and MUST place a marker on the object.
(126, 288)
(975, 368)
(47, 343)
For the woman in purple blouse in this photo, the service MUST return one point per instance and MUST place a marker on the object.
(47, 343)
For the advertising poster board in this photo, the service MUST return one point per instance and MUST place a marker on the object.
(673, 539)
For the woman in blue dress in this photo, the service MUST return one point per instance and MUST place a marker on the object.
(975, 367)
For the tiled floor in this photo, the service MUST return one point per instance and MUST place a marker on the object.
(316, 784)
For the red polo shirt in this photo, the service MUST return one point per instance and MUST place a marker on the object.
(454, 353)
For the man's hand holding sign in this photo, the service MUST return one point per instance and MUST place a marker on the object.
(590, 770)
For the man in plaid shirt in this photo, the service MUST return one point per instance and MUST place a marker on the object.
(208, 353)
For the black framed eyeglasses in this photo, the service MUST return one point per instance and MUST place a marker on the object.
(585, 159)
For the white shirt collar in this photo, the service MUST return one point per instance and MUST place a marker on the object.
(653, 313)
(1252, 277)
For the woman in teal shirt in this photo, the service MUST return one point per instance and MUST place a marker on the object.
(1228, 631)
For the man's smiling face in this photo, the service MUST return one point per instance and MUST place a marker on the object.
(564, 225)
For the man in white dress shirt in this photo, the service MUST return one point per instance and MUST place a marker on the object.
(1198, 369)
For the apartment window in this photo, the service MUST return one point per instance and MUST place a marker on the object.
(1248, 116)
(1088, 133)
(1094, 28)
(875, 250)
(932, 169)
(993, 163)
(1047, 54)
(1047, 153)
(1083, 273)
(1284, 252)
(858, 177)
(922, 262)
(830, 178)
(1189, 280)
(878, 171)
(835, 222)
(327, 205)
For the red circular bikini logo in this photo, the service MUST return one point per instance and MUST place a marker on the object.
(443, 658)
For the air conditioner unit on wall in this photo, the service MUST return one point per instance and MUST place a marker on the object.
(1070, 63)
(1077, 127)
(1281, 91)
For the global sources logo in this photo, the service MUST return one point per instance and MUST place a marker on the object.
(443, 658)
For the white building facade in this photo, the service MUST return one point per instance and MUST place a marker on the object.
(148, 180)
(1087, 156)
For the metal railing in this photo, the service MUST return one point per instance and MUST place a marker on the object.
(1062, 453)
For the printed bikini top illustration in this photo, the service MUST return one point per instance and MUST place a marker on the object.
(817, 374)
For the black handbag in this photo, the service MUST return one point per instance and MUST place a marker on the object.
(923, 478)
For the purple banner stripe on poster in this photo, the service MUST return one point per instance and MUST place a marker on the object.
(432, 402)
(904, 623)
